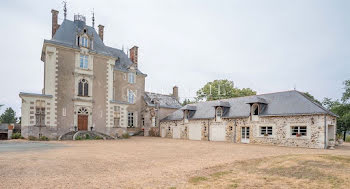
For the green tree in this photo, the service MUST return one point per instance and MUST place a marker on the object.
(9, 116)
(346, 94)
(312, 98)
(221, 89)
(187, 101)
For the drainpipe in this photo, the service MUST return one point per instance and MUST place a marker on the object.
(234, 136)
(325, 131)
(208, 131)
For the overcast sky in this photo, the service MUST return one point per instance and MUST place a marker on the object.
(266, 45)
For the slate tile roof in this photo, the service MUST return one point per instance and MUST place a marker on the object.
(165, 101)
(66, 36)
(286, 103)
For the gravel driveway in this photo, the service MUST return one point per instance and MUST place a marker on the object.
(137, 162)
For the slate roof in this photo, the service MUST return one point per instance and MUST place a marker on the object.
(165, 101)
(66, 36)
(278, 104)
(35, 95)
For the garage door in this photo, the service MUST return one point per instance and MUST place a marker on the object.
(195, 132)
(176, 132)
(163, 133)
(217, 133)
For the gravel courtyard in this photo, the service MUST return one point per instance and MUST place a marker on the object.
(136, 162)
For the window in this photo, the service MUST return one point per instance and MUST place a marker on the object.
(84, 42)
(131, 77)
(265, 131)
(83, 88)
(131, 97)
(64, 111)
(255, 109)
(116, 108)
(116, 122)
(130, 119)
(218, 112)
(299, 131)
(143, 121)
(84, 63)
(40, 113)
(186, 114)
(153, 121)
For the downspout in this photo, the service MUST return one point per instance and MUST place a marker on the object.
(234, 136)
(208, 131)
(325, 131)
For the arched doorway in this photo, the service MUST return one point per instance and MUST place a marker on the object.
(83, 116)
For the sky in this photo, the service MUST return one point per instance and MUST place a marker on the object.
(265, 45)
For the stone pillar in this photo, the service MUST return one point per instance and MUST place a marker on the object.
(10, 131)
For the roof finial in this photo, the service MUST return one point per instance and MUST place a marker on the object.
(93, 18)
(65, 9)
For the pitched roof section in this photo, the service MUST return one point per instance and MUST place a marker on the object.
(165, 101)
(66, 36)
(278, 104)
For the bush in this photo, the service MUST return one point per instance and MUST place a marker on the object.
(16, 136)
(78, 138)
(32, 138)
(347, 139)
(43, 138)
(126, 135)
(154, 132)
(98, 138)
(87, 137)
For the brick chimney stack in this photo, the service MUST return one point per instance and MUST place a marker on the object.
(55, 25)
(134, 55)
(100, 31)
(176, 92)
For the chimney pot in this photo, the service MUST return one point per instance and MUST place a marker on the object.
(134, 55)
(54, 21)
(100, 31)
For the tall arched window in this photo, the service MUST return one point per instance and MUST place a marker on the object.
(83, 88)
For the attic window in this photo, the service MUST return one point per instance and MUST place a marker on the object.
(218, 112)
(255, 109)
(84, 30)
(84, 42)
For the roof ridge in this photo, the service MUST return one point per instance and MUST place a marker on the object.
(248, 96)
(159, 94)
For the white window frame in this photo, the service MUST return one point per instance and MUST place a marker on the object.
(219, 111)
(299, 131)
(131, 119)
(266, 130)
(131, 97)
(131, 77)
(84, 41)
(84, 61)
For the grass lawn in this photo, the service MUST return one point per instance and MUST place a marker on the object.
(287, 171)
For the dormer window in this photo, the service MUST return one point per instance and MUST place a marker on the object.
(218, 112)
(255, 109)
(84, 61)
(84, 42)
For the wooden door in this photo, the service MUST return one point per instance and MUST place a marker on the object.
(82, 122)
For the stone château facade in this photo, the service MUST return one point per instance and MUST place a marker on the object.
(88, 86)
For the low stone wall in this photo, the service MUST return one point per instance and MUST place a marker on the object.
(50, 132)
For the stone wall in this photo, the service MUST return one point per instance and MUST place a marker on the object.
(281, 129)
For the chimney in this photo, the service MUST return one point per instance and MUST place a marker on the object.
(100, 31)
(54, 21)
(134, 55)
(176, 92)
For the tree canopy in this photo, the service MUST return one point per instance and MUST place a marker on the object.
(221, 89)
(342, 109)
(312, 98)
(9, 116)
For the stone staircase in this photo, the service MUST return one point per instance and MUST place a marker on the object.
(67, 136)
(72, 135)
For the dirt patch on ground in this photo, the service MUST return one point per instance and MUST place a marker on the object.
(159, 163)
